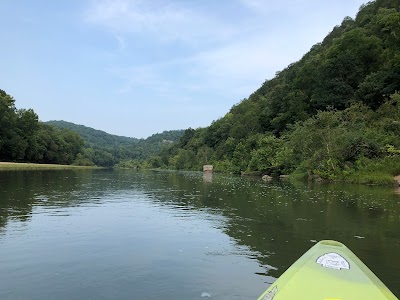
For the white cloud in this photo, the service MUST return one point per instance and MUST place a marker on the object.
(263, 6)
(165, 20)
(234, 70)
(231, 57)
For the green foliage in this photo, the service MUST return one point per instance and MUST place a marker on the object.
(334, 114)
(185, 159)
(94, 137)
(223, 166)
(332, 141)
(373, 171)
(240, 158)
(80, 160)
(272, 156)
(129, 164)
(323, 115)
(392, 151)
(107, 150)
(155, 162)
(23, 138)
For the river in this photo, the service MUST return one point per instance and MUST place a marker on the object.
(97, 234)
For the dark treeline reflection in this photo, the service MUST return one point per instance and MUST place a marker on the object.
(277, 221)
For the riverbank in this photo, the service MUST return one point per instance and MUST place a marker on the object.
(9, 166)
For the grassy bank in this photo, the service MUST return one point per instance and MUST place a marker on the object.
(384, 171)
(6, 166)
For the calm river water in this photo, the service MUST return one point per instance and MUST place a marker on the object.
(167, 235)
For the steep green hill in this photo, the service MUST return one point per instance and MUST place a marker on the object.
(94, 137)
(331, 114)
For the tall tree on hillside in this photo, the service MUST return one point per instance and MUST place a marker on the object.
(7, 121)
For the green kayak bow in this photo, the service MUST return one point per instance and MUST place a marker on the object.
(328, 271)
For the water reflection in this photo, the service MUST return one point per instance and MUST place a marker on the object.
(397, 190)
(207, 177)
(271, 223)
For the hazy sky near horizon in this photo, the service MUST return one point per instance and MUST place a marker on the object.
(138, 67)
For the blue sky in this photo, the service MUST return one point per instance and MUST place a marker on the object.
(138, 67)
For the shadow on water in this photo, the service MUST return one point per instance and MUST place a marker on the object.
(20, 191)
(277, 221)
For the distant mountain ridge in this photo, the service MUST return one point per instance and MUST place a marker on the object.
(101, 138)
(94, 136)
(104, 149)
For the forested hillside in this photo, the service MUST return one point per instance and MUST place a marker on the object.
(24, 139)
(104, 149)
(335, 113)
(94, 137)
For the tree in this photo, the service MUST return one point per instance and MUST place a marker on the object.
(265, 158)
(240, 158)
(7, 123)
